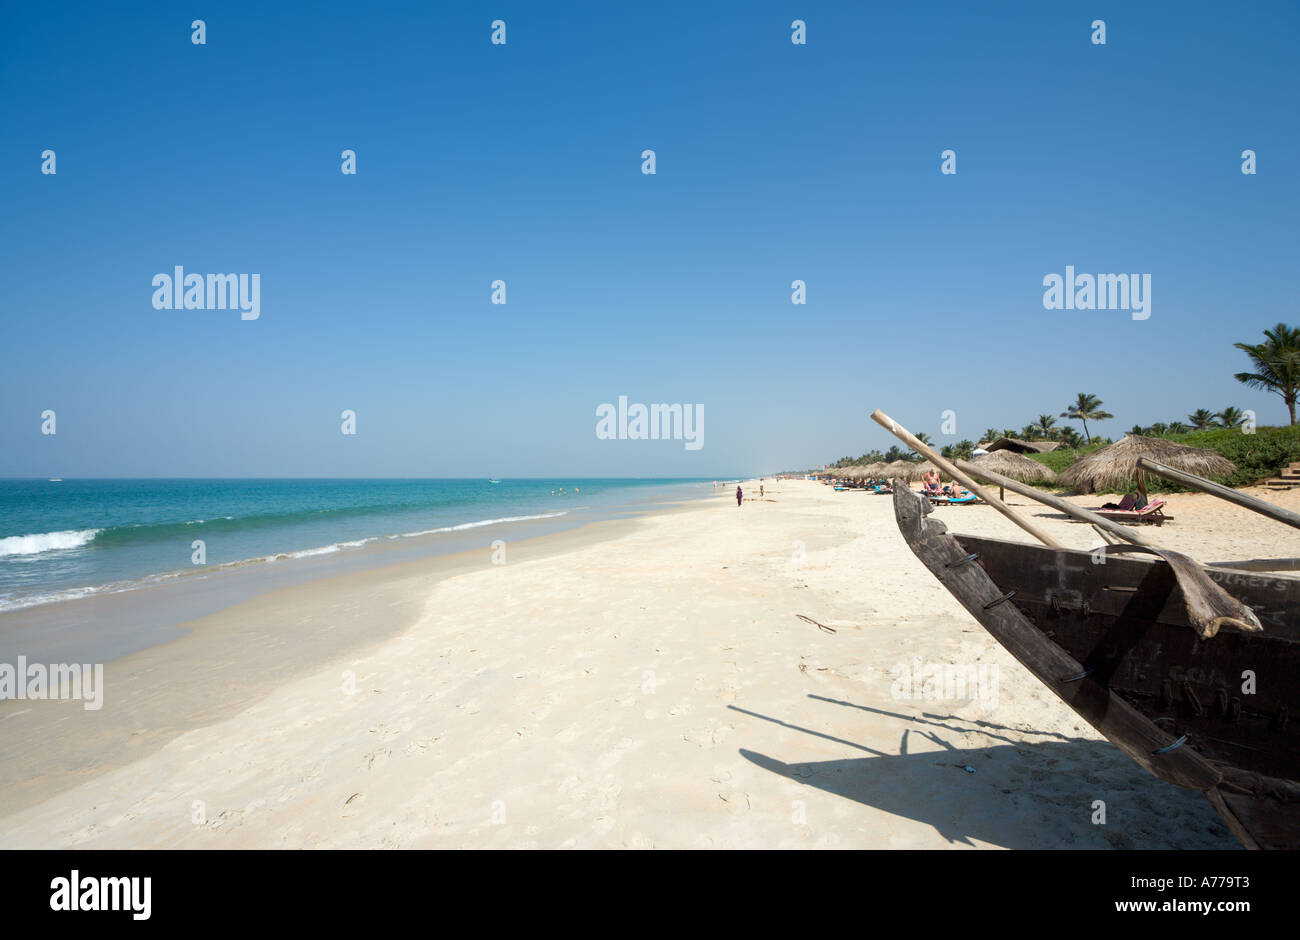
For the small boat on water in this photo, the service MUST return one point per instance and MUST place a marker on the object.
(494, 481)
(55, 480)
(1192, 670)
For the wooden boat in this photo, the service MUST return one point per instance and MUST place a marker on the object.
(1115, 642)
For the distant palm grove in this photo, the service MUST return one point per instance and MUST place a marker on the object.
(1275, 368)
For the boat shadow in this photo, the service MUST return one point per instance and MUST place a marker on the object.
(1003, 794)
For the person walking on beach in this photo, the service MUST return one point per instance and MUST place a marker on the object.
(739, 496)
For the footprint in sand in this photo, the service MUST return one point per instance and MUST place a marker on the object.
(708, 736)
(570, 783)
(736, 801)
(610, 758)
(376, 758)
(420, 746)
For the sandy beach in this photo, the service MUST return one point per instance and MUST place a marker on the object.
(639, 683)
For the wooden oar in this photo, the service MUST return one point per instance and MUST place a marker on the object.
(911, 440)
(1253, 503)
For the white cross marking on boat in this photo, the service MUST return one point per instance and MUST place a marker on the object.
(1060, 569)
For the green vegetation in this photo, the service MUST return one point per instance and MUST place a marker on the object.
(1277, 364)
(1086, 407)
(1258, 455)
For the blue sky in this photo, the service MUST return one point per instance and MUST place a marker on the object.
(522, 162)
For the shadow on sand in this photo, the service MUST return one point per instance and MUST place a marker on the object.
(1001, 794)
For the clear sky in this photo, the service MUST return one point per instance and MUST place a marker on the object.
(522, 162)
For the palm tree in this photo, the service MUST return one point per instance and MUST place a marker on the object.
(990, 435)
(1139, 430)
(1029, 432)
(1277, 364)
(1177, 427)
(924, 438)
(1044, 425)
(1070, 438)
(1159, 428)
(1201, 419)
(1086, 407)
(1230, 417)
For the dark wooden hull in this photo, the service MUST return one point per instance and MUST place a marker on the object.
(1113, 641)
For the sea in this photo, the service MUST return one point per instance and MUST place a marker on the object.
(71, 539)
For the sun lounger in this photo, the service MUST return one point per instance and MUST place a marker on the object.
(1153, 513)
(941, 499)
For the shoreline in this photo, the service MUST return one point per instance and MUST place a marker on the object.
(104, 622)
(649, 687)
(209, 669)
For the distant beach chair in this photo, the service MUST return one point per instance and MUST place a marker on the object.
(1152, 513)
(941, 500)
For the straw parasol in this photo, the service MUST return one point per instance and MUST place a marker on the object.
(903, 470)
(1014, 465)
(926, 466)
(1113, 469)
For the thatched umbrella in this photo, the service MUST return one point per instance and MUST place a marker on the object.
(926, 466)
(873, 470)
(1112, 469)
(903, 470)
(1017, 466)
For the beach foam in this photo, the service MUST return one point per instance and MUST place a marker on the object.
(46, 542)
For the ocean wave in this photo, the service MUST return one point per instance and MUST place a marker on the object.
(10, 602)
(46, 542)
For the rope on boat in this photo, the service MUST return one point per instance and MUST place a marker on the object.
(1171, 747)
(1001, 600)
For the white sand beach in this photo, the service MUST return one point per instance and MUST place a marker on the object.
(645, 683)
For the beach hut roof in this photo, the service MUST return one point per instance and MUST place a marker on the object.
(1014, 465)
(1113, 469)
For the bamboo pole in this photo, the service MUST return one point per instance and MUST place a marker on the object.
(1253, 503)
(908, 438)
(1078, 512)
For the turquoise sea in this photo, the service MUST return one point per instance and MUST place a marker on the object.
(75, 538)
